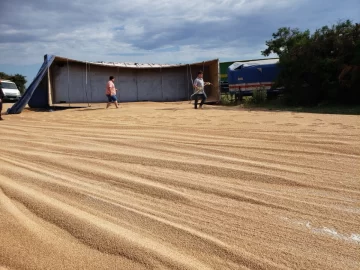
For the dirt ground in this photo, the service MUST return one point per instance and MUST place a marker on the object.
(164, 186)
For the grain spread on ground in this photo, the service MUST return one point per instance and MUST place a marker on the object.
(164, 186)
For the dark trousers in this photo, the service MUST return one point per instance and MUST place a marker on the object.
(0, 108)
(196, 98)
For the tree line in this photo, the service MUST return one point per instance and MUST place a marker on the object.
(319, 67)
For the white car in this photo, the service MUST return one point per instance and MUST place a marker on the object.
(11, 92)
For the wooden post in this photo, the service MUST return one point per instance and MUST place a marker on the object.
(50, 100)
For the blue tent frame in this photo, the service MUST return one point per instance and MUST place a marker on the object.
(31, 96)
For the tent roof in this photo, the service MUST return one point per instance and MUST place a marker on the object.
(127, 64)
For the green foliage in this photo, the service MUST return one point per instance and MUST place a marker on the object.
(227, 100)
(230, 99)
(323, 66)
(248, 101)
(18, 79)
(259, 95)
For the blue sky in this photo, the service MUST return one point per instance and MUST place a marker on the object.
(147, 31)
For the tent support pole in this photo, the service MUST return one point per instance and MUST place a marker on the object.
(50, 102)
(87, 97)
(68, 81)
(90, 84)
(117, 78)
(192, 83)
(187, 81)
(137, 88)
(162, 92)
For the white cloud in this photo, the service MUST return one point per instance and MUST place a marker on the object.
(154, 31)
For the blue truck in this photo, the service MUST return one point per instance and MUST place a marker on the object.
(244, 77)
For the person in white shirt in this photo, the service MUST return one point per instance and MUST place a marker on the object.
(199, 90)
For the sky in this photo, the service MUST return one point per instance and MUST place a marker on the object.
(144, 31)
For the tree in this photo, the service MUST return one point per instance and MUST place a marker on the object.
(18, 79)
(20, 82)
(319, 66)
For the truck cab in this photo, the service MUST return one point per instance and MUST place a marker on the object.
(11, 92)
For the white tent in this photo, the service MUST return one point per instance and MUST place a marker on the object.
(72, 81)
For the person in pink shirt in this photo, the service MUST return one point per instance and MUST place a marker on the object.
(111, 92)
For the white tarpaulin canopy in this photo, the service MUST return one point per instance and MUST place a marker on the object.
(63, 80)
(72, 81)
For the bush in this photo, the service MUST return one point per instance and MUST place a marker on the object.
(259, 95)
(248, 101)
(227, 100)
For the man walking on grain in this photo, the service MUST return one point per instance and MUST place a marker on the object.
(111, 92)
(199, 90)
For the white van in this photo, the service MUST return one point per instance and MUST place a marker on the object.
(11, 92)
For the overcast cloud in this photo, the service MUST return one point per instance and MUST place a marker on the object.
(154, 31)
